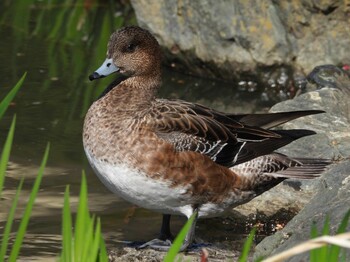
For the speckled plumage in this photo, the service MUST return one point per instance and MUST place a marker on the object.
(174, 156)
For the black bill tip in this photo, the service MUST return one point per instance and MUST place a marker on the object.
(95, 76)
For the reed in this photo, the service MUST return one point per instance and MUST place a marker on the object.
(86, 242)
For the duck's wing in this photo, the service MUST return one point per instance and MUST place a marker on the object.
(221, 137)
(270, 120)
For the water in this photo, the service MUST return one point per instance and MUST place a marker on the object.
(50, 108)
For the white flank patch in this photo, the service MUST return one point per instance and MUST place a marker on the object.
(135, 187)
(157, 195)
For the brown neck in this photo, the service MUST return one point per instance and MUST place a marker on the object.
(135, 93)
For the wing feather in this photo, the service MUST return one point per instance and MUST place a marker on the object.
(220, 136)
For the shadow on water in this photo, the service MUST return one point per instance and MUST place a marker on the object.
(59, 43)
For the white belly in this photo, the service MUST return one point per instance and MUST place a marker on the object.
(158, 195)
(135, 187)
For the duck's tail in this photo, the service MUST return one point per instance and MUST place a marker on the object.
(265, 172)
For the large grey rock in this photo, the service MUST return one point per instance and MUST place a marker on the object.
(332, 191)
(332, 141)
(332, 200)
(229, 38)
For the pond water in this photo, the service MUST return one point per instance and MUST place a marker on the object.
(50, 107)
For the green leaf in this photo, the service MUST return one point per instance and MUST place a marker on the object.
(87, 243)
(333, 249)
(247, 246)
(88, 236)
(59, 20)
(322, 251)
(9, 97)
(6, 153)
(96, 242)
(8, 226)
(27, 213)
(314, 234)
(176, 246)
(103, 251)
(67, 240)
(344, 223)
(82, 221)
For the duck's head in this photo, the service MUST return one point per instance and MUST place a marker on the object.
(132, 51)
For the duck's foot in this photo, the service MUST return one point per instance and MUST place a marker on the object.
(156, 244)
(163, 243)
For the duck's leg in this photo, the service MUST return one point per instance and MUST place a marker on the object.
(164, 245)
(163, 242)
(190, 234)
(165, 233)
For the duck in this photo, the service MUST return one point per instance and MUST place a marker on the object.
(176, 157)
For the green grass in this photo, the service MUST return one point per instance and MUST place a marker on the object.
(86, 242)
(8, 226)
(176, 246)
(28, 210)
(247, 246)
(15, 248)
(328, 252)
(5, 102)
(5, 155)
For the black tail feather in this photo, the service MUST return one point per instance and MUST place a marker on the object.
(252, 150)
(271, 120)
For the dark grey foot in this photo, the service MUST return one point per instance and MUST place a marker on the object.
(164, 245)
(156, 244)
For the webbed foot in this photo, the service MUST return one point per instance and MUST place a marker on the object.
(156, 244)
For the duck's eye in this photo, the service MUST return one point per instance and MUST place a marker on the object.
(130, 48)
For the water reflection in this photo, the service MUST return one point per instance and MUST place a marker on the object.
(59, 44)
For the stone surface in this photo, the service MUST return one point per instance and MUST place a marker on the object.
(226, 39)
(332, 191)
(332, 200)
(216, 252)
(331, 141)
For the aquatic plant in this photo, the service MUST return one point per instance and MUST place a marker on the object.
(15, 248)
(86, 243)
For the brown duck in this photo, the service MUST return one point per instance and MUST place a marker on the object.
(177, 157)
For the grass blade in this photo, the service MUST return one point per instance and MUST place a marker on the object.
(97, 239)
(26, 216)
(82, 221)
(335, 250)
(9, 97)
(6, 153)
(67, 240)
(314, 234)
(103, 257)
(88, 236)
(322, 252)
(8, 226)
(175, 247)
(247, 246)
(86, 243)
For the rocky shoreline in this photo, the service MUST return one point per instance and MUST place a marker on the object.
(228, 40)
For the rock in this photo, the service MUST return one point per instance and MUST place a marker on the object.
(332, 200)
(216, 252)
(331, 191)
(226, 39)
(332, 140)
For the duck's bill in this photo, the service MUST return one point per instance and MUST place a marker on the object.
(105, 69)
